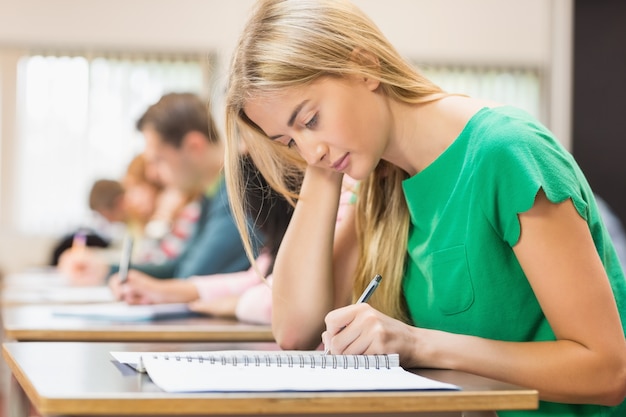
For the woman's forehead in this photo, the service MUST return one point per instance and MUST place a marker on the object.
(265, 112)
(271, 105)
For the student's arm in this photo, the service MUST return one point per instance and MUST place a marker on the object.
(208, 289)
(587, 362)
(307, 282)
(255, 304)
(220, 295)
(220, 307)
(225, 296)
(212, 287)
(252, 305)
(143, 289)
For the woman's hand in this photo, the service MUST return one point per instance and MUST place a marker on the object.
(360, 329)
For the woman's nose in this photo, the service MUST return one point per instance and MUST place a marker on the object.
(312, 152)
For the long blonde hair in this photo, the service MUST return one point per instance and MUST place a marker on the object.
(291, 43)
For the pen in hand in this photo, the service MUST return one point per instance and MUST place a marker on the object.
(79, 242)
(127, 251)
(367, 293)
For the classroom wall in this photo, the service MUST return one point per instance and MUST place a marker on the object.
(474, 30)
(529, 32)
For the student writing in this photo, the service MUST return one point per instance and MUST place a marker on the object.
(494, 256)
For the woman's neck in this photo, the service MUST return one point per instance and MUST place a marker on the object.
(420, 133)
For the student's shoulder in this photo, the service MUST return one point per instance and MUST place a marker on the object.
(506, 131)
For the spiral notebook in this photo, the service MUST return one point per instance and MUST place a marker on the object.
(267, 371)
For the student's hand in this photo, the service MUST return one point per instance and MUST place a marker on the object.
(83, 266)
(360, 329)
(140, 288)
(221, 307)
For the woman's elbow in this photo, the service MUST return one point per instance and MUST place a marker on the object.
(616, 391)
(611, 391)
(292, 334)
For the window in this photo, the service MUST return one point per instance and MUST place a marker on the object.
(76, 123)
(519, 87)
(77, 113)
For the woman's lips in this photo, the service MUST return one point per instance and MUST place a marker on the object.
(341, 163)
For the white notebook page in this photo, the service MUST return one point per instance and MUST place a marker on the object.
(252, 371)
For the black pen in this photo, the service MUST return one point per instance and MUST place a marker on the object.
(367, 293)
(127, 251)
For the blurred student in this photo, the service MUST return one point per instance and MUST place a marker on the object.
(85, 237)
(168, 231)
(109, 215)
(106, 226)
(160, 218)
(242, 295)
(222, 294)
(106, 197)
(127, 204)
(168, 213)
(182, 138)
(141, 193)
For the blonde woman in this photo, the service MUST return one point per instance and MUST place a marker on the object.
(493, 255)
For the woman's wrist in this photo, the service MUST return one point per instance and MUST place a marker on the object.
(321, 187)
(424, 351)
(322, 177)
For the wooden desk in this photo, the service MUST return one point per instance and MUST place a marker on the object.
(48, 286)
(73, 379)
(36, 323)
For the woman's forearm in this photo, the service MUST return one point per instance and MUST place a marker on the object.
(302, 289)
(562, 370)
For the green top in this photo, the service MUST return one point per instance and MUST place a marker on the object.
(461, 274)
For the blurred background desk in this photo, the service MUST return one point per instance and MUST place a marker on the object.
(37, 323)
(46, 285)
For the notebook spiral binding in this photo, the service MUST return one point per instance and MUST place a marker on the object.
(288, 360)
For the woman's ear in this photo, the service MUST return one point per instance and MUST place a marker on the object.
(371, 83)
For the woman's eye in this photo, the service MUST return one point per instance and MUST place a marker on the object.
(312, 123)
(291, 143)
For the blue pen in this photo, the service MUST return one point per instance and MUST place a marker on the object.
(367, 293)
